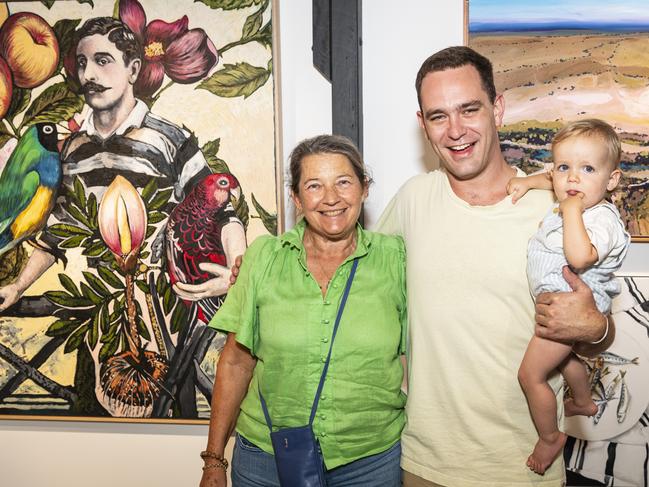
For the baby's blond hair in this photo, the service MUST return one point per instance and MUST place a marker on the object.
(592, 127)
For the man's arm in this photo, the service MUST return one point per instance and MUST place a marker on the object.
(37, 264)
(573, 316)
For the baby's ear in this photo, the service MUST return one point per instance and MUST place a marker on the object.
(614, 180)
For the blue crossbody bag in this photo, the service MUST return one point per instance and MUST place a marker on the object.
(297, 453)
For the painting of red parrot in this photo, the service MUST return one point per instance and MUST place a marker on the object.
(194, 234)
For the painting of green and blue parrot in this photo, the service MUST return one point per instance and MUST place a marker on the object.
(29, 185)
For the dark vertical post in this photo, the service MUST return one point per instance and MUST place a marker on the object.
(346, 69)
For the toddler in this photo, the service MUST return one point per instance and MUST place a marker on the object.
(583, 230)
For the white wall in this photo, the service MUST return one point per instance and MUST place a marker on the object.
(395, 42)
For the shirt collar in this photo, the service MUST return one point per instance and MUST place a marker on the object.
(295, 236)
(134, 119)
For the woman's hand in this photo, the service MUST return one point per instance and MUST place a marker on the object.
(214, 477)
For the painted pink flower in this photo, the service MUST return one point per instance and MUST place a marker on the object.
(122, 222)
(184, 55)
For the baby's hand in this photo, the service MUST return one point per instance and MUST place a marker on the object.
(573, 203)
(517, 187)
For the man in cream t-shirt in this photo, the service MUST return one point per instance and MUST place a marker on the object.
(470, 310)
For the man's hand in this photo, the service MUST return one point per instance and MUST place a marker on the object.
(216, 286)
(517, 187)
(8, 296)
(569, 316)
(573, 203)
(214, 477)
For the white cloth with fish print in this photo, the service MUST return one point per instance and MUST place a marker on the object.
(615, 451)
(546, 259)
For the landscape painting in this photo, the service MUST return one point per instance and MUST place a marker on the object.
(562, 60)
(138, 158)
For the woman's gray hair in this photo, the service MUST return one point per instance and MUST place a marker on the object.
(326, 144)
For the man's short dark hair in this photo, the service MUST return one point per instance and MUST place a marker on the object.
(118, 33)
(457, 57)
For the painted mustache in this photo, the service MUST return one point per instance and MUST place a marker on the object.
(90, 86)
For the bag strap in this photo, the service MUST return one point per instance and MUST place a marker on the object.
(314, 408)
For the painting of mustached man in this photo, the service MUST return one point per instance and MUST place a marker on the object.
(563, 60)
(612, 447)
(138, 155)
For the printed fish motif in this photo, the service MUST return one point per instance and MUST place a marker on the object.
(615, 359)
(608, 396)
(623, 403)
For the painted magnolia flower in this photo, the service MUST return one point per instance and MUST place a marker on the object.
(122, 222)
(184, 55)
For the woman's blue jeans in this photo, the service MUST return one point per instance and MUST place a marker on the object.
(253, 467)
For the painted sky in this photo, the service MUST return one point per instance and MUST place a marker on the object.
(627, 11)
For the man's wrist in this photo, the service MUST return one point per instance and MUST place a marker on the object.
(604, 335)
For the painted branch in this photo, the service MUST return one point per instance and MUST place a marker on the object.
(132, 335)
(38, 377)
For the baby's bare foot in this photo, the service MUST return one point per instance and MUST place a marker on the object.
(545, 452)
(573, 408)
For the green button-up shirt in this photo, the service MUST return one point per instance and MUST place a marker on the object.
(278, 312)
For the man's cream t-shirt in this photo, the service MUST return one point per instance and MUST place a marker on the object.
(471, 316)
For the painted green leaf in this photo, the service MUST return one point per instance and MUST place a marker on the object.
(65, 230)
(143, 286)
(48, 3)
(160, 199)
(230, 4)
(75, 339)
(178, 317)
(90, 294)
(252, 24)
(77, 215)
(104, 322)
(167, 300)
(62, 328)
(108, 349)
(72, 242)
(265, 35)
(20, 98)
(241, 209)
(157, 217)
(79, 192)
(218, 165)
(64, 31)
(109, 277)
(93, 331)
(149, 190)
(55, 104)
(96, 284)
(64, 299)
(142, 329)
(92, 210)
(160, 284)
(211, 148)
(95, 250)
(69, 285)
(89, 2)
(269, 220)
(241, 79)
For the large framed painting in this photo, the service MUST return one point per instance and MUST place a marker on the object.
(559, 61)
(139, 155)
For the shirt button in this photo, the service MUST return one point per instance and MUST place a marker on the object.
(326, 322)
(323, 397)
(325, 340)
(323, 434)
(323, 416)
(327, 302)
(335, 286)
(324, 359)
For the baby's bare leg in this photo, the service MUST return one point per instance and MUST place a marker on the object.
(541, 358)
(582, 403)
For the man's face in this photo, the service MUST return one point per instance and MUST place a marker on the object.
(460, 122)
(104, 77)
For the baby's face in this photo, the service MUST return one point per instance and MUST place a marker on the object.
(582, 167)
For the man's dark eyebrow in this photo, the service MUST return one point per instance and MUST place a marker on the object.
(463, 106)
(104, 54)
(472, 103)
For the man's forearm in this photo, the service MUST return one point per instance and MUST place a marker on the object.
(591, 349)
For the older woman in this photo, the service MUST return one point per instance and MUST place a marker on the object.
(280, 316)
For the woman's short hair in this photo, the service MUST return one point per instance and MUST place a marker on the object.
(326, 144)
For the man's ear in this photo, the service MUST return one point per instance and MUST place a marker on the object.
(134, 67)
(499, 110)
